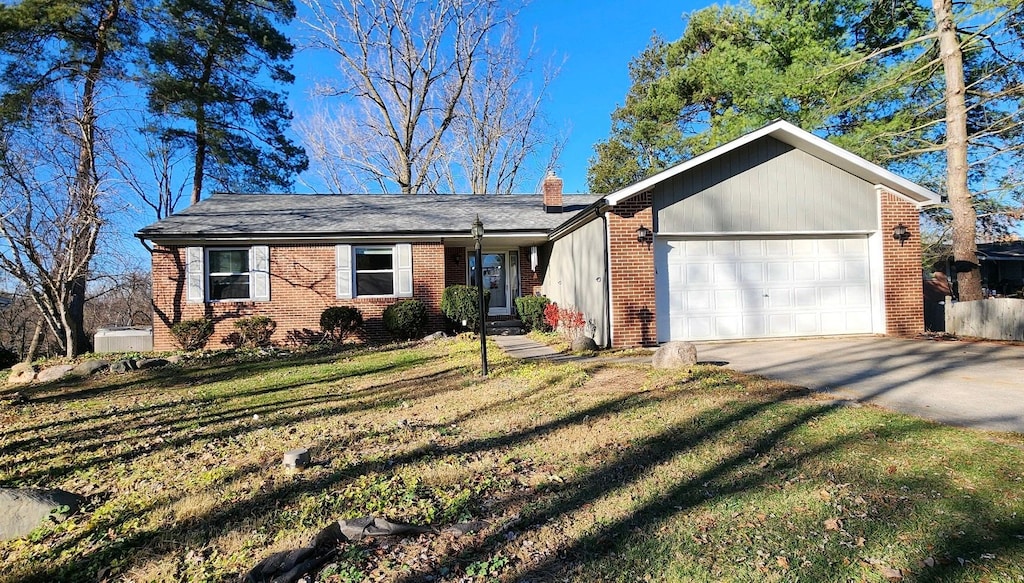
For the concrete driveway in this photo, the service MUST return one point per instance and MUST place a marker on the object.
(971, 384)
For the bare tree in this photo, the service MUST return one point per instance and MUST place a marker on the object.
(499, 126)
(414, 73)
(50, 224)
(150, 172)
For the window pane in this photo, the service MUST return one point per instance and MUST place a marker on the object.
(375, 284)
(229, 287)
(373, 259)
(233, 261)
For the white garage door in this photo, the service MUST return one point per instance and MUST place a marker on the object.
(761, 288)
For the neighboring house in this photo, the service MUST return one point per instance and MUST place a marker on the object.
(778, 233)
(1002, 267)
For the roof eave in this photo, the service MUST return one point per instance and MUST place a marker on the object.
(790, 134)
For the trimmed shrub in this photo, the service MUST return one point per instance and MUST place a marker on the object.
(460, 304)
(255, 331)
(340, 322)
(531, 312)
(192, 334)
(406, 319)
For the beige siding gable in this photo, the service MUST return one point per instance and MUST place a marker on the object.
(766, 186)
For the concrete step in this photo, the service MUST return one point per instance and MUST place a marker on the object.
(505, 328)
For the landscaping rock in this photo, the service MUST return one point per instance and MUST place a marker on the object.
(433, 337)
(583, 344)
(21, 374)
(173, 359)
(90, 367)
(144, 363)
(48, 375)
(675, 355)
(123, 366)
(296, 458)
(26, 509)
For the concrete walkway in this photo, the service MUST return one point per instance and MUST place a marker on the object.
(970, 384)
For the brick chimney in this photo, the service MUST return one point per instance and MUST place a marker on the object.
(552, 189)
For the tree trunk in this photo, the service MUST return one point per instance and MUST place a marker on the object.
(33, 347)
(961, 205)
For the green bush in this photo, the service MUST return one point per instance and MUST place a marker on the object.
(531, 312)
(340, 322)
(460, 304)
(255, 330)
(406, 319)
(192, 334)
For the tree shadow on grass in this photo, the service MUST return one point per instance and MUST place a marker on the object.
(757, 464)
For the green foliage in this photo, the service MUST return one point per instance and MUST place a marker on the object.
(340, 322)
(255, 331)
(406, 319)
(531, 312)
(735, 69)
(210, 64)
(460, 303)
(192, 334)
(489, 569)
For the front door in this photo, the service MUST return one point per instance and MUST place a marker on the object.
(500, 277)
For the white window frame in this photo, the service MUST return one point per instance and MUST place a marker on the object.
(210, 274)
(356, 271)
(347, 274)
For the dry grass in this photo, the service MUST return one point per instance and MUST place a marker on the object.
(585, 472)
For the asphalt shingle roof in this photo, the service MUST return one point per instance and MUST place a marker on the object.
(306, 214)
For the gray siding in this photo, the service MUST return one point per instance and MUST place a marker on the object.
(576, 275)
(766, 186)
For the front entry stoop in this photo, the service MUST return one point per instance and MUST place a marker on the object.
(505, 328)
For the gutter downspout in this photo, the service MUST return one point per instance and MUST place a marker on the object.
(609, 323)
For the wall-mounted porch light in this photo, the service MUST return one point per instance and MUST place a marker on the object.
(901, 233)
(643, 234)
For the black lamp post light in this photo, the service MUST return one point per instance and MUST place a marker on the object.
(478, 234)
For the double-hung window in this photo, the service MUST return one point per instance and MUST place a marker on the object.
(218, 274)
(375, 271)
(229, 277)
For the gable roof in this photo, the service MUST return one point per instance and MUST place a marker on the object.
(321, 216)
(788, 133)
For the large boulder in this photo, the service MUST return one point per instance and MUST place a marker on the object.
(583, 344)
(54, 373)
(144, 363)
(26, 509)
(90, 367)
(675, 355)
(21, 374)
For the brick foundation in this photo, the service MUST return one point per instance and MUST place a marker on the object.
(904, 294)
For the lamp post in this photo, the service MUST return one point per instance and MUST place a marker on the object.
(478, 234)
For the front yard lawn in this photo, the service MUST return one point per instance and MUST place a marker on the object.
(583, 472)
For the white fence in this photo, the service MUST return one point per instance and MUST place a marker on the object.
(996, 319)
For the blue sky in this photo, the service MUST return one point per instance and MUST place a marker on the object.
(594, 40)
(598, 38)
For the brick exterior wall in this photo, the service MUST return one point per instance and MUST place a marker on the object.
(302, 285)
(529, 280)
(455, 265)
(631, 269)
(904, 294)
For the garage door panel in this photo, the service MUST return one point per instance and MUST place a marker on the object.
(752, 288)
